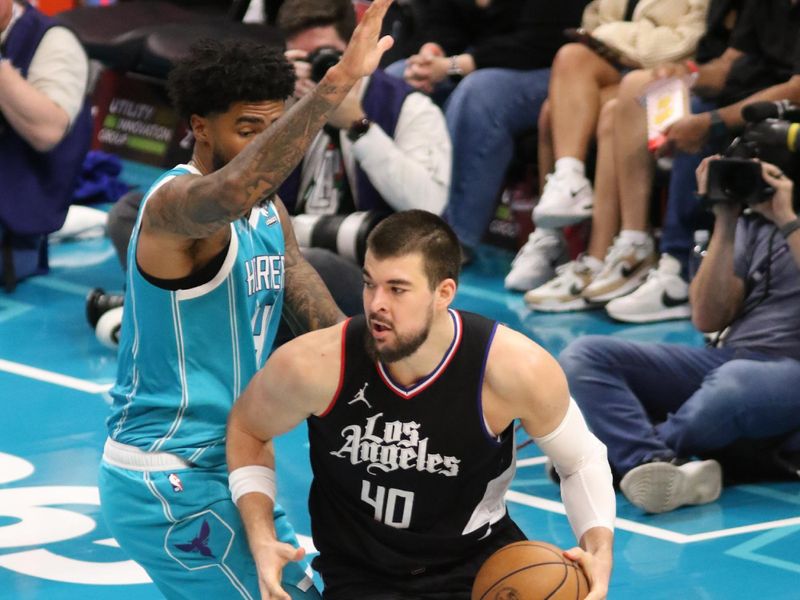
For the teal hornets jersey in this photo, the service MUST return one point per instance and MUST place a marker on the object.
(186, 355)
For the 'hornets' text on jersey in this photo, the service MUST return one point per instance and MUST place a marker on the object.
(186, 355)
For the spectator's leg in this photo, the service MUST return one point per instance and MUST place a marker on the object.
(624, 387)
(545, 155)
(634, 164)
(605, 212)
(577, 78)
(121, 220)
(683, 211)
(742, 399)
(397, 68)
(484, 113)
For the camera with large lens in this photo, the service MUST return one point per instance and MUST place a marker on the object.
(322, 59)
(770, 135)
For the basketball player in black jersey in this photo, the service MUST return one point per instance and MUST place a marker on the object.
(411, 412)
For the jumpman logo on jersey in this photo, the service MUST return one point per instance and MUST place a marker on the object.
(360, 397)
(199, 543)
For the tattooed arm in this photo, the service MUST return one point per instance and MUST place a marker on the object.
(308, 304)
(197, 207)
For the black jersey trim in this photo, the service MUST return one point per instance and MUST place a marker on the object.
(409, 392)
(341, 371)
(494, 440)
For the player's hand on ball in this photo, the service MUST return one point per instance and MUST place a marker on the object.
(597, 569)
(271, 559)
(366, 47)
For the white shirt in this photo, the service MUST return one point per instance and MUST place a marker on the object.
(410, 170)
(59, 68)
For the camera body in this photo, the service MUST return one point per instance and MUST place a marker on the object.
(736, 177)
(322, 59)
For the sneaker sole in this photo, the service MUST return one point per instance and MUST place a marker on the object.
(662, 487)
(666, 314)
(572, 305)
(548, 221)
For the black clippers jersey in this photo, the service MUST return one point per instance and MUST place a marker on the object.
(408, 478)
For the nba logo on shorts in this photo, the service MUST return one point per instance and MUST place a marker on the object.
(177, 484)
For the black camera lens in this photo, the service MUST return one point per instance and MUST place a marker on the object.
(322, 59)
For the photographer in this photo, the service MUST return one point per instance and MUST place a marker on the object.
(656, 406)
(385, 147)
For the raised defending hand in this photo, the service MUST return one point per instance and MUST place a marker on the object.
(270, 560)
(366, 47)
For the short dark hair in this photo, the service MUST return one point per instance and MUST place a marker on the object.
(219, 73)
(295, 16)
(411, 231)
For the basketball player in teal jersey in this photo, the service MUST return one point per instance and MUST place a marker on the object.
(410, 413)
(211, 264)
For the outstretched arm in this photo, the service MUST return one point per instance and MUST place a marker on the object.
(195, 207)
(280, 396)
(527, 383)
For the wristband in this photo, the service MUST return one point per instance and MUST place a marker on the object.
(254, 478)
(789, 228)
(718, 129)
(691, 66)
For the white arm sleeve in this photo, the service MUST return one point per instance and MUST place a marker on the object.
(586, 483)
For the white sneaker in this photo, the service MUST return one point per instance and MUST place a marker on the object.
(563, 292)
(536, 261)
(625, 268)
(565, 200)
(659, 487)
(664, 295)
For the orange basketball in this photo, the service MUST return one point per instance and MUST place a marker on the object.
(529, 571)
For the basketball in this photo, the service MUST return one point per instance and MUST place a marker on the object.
(529, 571)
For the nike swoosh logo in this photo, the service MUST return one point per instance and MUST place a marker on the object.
(671, 302)
(576, 192)
(628, 271)
(575, 289)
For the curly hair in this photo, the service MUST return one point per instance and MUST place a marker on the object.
(219, 73)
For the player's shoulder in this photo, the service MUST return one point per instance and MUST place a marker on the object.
(515, 359)
(316, 352)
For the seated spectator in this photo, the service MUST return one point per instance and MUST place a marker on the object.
(762, 62)
(581, 83)
(594, 278)
(490, 60)
(656, 406)
(45, 130)
(385, 148)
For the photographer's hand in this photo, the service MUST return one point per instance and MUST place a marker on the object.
(728, 211)
(716, 293)
(302, 70)
(779, 208)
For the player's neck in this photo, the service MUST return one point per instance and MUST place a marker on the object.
(419, 365)
(200, 162)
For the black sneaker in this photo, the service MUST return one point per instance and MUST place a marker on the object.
(98, 303)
